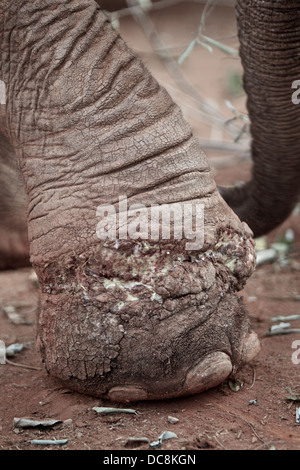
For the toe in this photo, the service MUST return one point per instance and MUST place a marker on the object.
(251, 347)
(210, 372)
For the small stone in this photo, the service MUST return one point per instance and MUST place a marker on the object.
(136, 441)
(172, 419)
(102, 298)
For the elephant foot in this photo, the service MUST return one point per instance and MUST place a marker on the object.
(212, 370)
(136, 321)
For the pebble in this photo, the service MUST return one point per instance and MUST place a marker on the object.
(172, 419)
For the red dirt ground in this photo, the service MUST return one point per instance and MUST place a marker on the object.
(217, 419)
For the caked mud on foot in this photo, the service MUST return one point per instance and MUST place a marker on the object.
(131, 321)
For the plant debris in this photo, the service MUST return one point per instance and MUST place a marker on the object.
(280, 326)
(13, 349)
(165, 435)
(265, 256)
(286, 318)
(46, 442)
(33, 423)
(253, 402)
(12, 314)
(107, 410)
(282, 331)
(298, 415)
(2, 352)
(235, 385)
(278, 251)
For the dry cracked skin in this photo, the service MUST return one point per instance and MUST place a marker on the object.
(148, 321)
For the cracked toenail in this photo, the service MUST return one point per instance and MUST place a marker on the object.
(210, 372)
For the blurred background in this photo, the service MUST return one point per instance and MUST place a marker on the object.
(191, 47)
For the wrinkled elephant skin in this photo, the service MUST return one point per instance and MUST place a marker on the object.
(135, 318)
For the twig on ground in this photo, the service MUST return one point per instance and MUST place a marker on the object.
(220, 443)
(21, 365)
(282, 331)
(254, 378)
(285, 317)
(267, 444)
(249, 424)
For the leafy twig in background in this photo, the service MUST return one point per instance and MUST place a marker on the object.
(213, 115)
(160, 6)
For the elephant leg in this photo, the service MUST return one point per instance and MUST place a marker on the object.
(269, 34)
(14, 247)
(122, 317)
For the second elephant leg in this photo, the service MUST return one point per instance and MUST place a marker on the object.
(14, 246)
